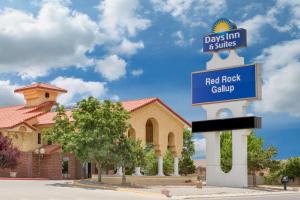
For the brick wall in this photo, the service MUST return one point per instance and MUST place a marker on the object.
(50, 166)
(24, 168)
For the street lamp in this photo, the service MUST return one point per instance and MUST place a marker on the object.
(40, 151)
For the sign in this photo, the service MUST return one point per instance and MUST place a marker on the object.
(249, 122)
(227, 84)
(225, 35)
(225, 40)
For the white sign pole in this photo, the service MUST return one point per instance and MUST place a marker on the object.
(238, 176)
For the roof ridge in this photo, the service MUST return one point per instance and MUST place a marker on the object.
(139, 99)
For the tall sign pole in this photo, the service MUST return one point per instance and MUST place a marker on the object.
(226, 84)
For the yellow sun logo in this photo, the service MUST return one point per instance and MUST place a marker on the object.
(223, 24)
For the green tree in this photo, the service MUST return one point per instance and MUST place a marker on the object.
(95, 133)
(186, 164)
(151, 162)
(226, 151)
(150, 167)
(258, 157)
(292, 168)
(168, 163)
(130, 153)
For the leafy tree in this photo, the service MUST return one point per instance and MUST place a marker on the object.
(258, 157)
(226, 151)
(8, 153)
(292, 168)
(150, 167)
(168, 163)
(186, 164)
(151, 164)
(95, 132)
(130, 153)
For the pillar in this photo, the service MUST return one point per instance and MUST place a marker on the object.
(176, 163)
(137, 171)
(160, 166)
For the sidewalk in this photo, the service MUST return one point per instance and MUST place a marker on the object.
(187, 192)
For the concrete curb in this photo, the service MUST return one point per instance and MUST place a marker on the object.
(153, 194)
(231, 195)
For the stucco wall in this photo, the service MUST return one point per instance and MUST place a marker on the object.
(167, 123)
(24, 139)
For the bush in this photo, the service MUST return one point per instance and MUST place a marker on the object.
(8, 153)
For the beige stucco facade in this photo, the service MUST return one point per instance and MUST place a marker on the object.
(23, 137)
(151, 121)
(167, 128)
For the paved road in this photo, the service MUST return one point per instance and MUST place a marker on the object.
(60, 190)
(265, 197)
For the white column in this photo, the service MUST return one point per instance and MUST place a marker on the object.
(176, 163)
(160, 166)
(137, 171)
(119, 171)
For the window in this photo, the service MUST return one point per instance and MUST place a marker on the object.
(47, 95)
(39, 138)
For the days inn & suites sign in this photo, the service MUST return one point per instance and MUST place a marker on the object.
(230, 83)
(225, 36)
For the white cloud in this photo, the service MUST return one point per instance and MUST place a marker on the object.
(7, 95)
(191, 12)
(254, 26)
(115, 98)
(56, 37)
(284, 16)
(200, 147)
(127, 48)
(111, 67)
(137, 72)
(119, 18)
(180, 40)
(281, 92)
(78, 89)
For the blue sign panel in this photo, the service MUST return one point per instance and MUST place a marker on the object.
(225, 40)
(226, 84)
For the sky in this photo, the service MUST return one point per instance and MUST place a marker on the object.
(120, 50)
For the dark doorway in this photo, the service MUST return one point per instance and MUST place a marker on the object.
(89, 170)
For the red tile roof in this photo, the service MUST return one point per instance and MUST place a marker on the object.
(131, 106)
(53, 148)
(41, 86)
(47, 118)
(15, 115)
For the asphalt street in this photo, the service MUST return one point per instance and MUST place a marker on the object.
(61, 190)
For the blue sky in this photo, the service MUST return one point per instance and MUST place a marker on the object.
(136, 49)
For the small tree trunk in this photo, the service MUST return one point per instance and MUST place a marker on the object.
(123, 177)
(99, 172)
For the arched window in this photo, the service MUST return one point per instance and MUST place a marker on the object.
(149, 132)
